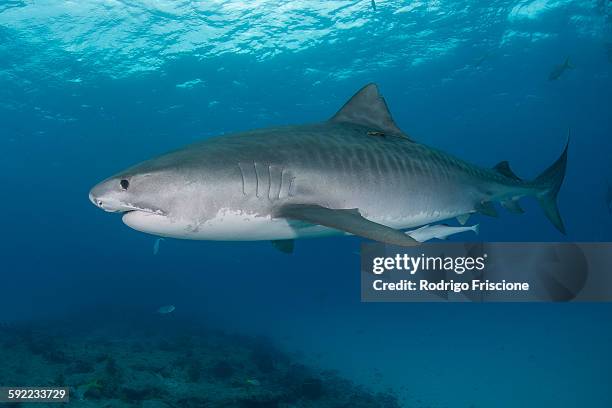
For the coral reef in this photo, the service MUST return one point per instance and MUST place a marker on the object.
(170, 366)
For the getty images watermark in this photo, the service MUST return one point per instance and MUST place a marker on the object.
(458, 265)
(487, 272)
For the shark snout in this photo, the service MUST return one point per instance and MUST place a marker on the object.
(99, 202)
(95, 201)
(102, 196)
(96, 193)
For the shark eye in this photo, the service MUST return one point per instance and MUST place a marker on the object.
(124, 184)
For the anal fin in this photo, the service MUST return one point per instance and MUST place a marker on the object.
(513, 206)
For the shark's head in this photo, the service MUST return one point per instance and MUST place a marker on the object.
(127, 192)
(173, 194)
(146, 197)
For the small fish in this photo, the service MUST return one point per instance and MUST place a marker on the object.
(156, 245)
(166, 309)
(189, 84)
(439, 231)
(80, 391)
(559, 70)
(253, 381)
(481, 59)
(374, 5)
(609, 198)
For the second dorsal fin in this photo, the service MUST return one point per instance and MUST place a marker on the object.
(503, 168)
(368, 108)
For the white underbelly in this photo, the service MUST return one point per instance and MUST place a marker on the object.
(226, 226)
(240, 226)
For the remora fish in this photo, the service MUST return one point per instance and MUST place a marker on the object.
(559, 70)
(439, 231)
(355, 173)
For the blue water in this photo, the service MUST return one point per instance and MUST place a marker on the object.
(88, 88)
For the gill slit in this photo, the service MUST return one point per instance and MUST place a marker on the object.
(290, 187)
(242, 177)
(256, 180)
(269, 181)
(280, 187)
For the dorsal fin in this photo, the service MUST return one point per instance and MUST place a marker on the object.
(368, 108)
(503, 168)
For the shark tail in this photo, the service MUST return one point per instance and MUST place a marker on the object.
(568, 63)
(476, 229)
(548, 184)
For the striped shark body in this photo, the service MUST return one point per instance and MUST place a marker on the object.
(356, 173)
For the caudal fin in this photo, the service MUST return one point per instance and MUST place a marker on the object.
(548, 183)
(476, 229)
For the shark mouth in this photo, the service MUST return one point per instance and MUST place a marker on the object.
(114, 206)
(131, 208)
(125, 208)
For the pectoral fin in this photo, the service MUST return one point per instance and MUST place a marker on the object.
(347, 220)
(284, 245)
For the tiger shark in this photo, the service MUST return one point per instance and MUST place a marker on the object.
(356, 174)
